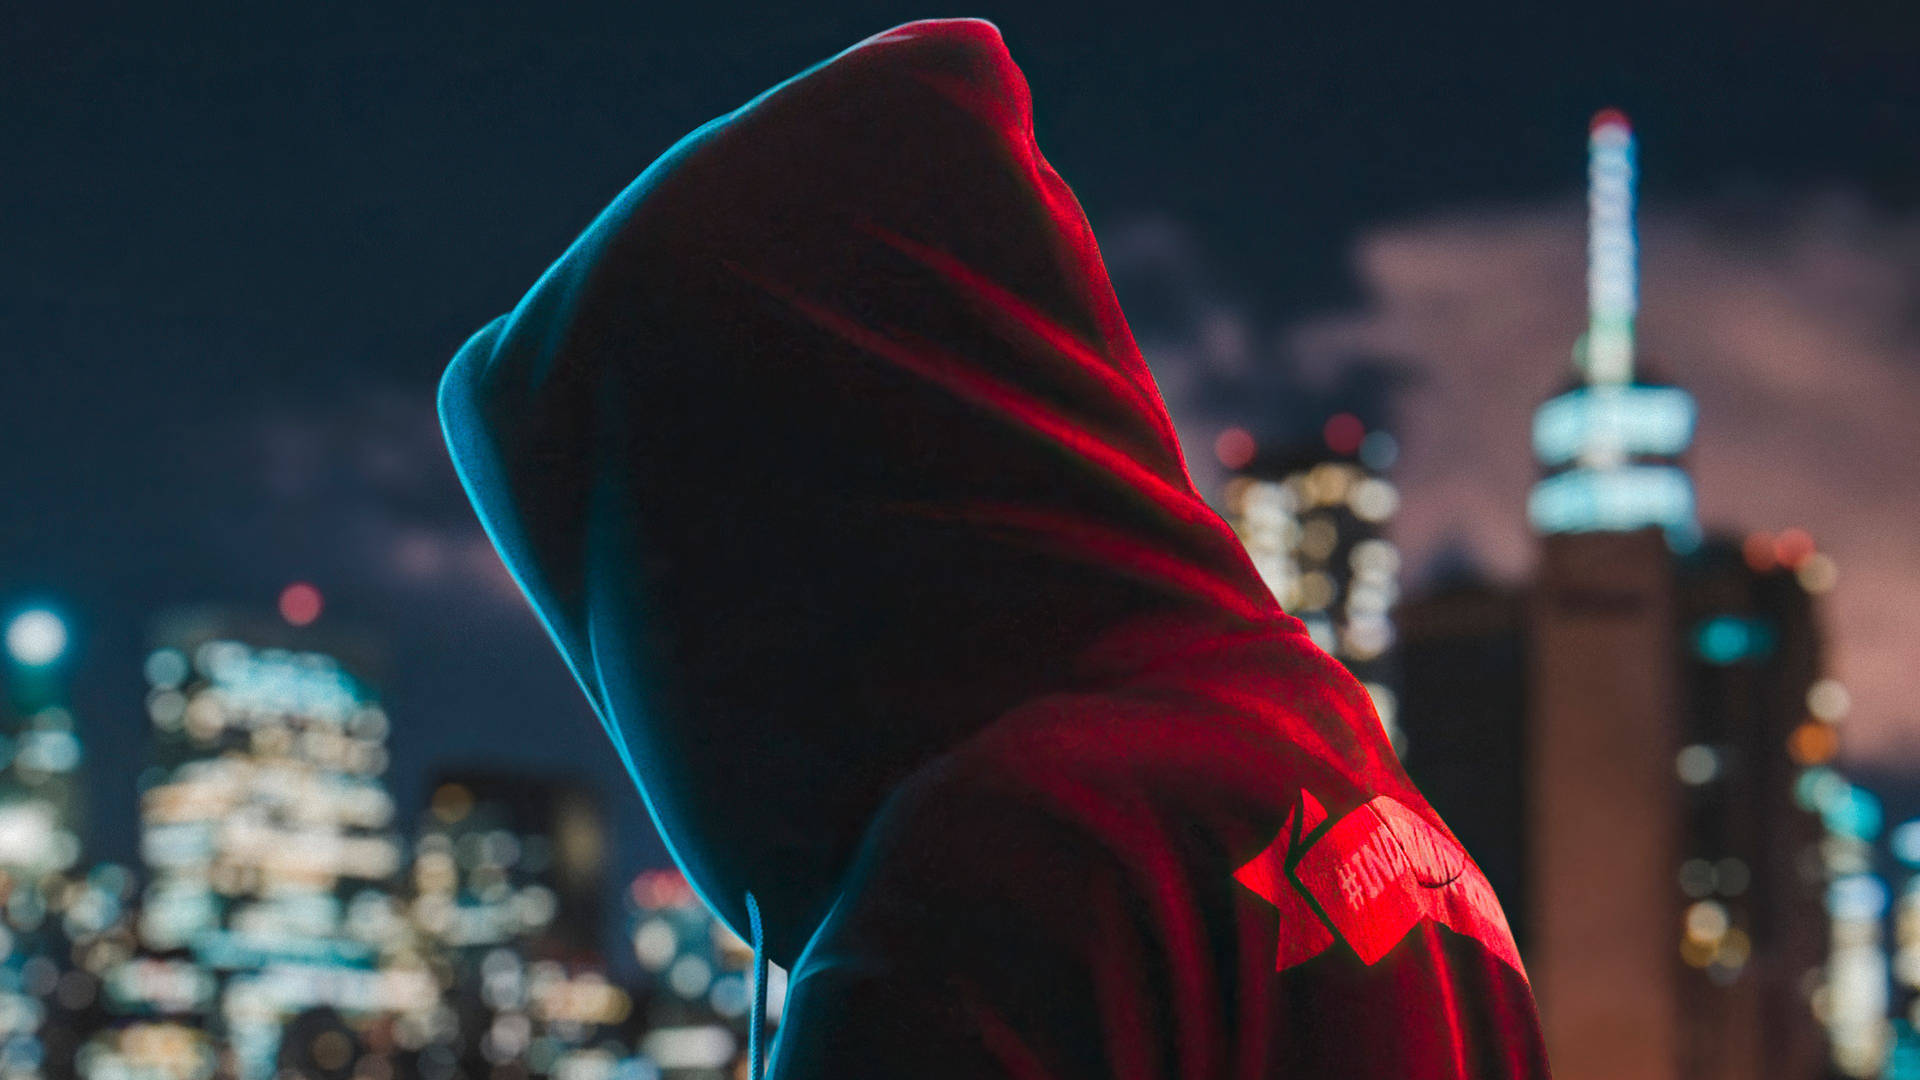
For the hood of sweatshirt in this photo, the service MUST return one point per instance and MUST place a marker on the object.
(823, 447)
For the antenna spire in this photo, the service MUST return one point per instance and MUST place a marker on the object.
(1613, 284)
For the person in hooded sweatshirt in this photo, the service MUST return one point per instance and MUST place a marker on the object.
(828, 460)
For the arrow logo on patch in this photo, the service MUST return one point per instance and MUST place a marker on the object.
(1369, 878)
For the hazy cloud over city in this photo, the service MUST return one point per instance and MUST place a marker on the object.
(1794, 320)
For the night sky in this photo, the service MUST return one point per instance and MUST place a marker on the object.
(240, 245)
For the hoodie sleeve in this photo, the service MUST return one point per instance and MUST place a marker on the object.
(1026, 910)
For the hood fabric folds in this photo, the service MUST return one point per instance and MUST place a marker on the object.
(822, 448)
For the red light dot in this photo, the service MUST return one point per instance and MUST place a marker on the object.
(1343, 433)
(1793, 547)
(300, 603)
(1758, 550)
(1234, 447)
(1608, 118)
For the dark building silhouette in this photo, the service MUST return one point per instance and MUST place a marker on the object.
(1463, 686)
(1628, 749)
(1751, 855)
(505, 833)
(1603, 805)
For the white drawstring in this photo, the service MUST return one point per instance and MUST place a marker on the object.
(756, 1055)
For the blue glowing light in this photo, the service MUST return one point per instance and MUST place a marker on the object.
(1818, 787)
(1617, 500)
(1855, 813)
(1616, 422)
(1905, 842)
(227, 949)
(1860, 897)
(1729, 639)
(1904, 1062)
(49, 751)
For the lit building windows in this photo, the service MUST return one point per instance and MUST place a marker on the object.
(1313, 524)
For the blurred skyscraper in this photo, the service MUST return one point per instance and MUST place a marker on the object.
(283, 931)
(1605, 714)
(268, 836)
(63, 926)
(506, 890)
(526, 857)
(1755, 933)
(1695, 754)
(1463, 692)
(1610, 444)
(40, 752)
(1627, 742)
(1604, 706)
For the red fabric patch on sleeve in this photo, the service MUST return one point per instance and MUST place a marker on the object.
(1370, 878)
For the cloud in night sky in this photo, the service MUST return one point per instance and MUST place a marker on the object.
(1795, 322)
(375, 466)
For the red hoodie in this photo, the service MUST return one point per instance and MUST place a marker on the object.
(829, 461)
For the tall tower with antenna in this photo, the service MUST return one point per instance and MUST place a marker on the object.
(1604, 679)
(1610, 443)
(1673, 927)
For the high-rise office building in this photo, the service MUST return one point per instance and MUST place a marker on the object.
(1672, 883)
(63, 925)
(1314, 521)
(1603, 807)
(40, 751)
(506, 879)
(1753, 912)
(1754, 934)
(519, 859)
(268, 836)
(1604, 709)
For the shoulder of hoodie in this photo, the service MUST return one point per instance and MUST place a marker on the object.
(1121, 775)
(1242, 721)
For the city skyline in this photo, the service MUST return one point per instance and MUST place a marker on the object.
(285, 917)
(1373, 450)
(255, 240)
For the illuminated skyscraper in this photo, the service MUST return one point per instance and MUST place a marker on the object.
(1604, 709)
(1754, 934)
(267, 832)
(52, 913)
(40, 751)
(507, 878)
(525, 862)
(1636, 752)
(1672, 885)
(1610, 443)
(1314, 521)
